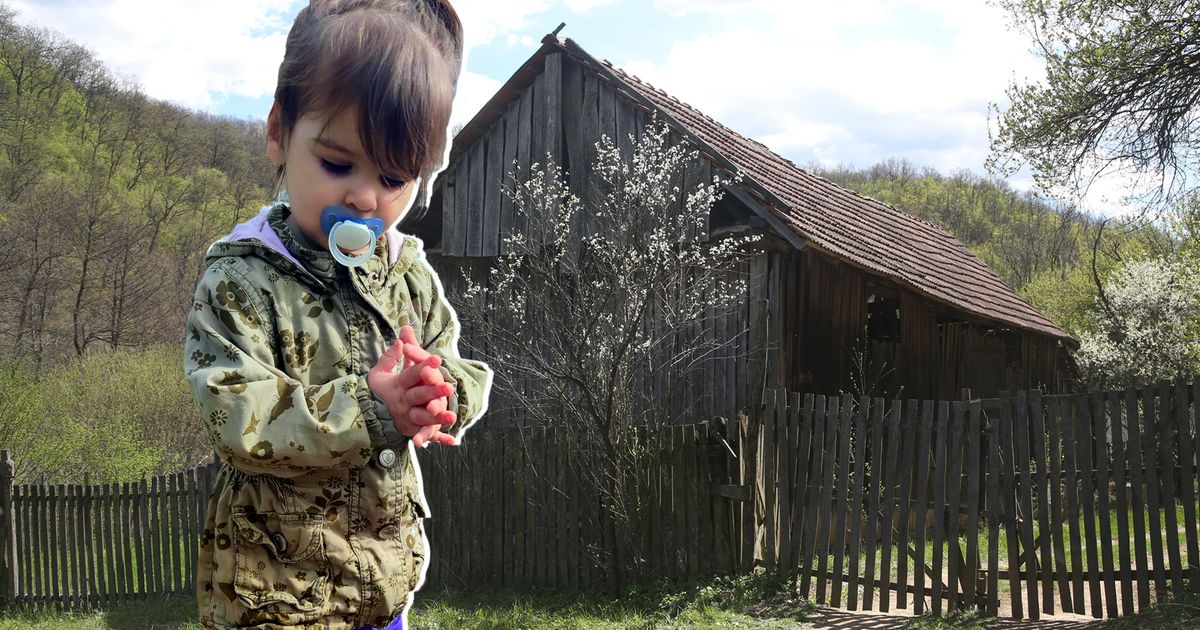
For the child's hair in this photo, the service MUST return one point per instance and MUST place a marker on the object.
(398, 61)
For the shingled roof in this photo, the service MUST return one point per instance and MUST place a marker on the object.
(864, 232)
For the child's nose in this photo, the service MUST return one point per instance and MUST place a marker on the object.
(360, 198)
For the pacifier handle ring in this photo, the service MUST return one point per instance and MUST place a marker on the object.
(341, 257)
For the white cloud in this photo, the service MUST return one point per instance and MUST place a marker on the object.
(485, 20)
(188, 52)
(196, 53)
(474, 90)
(515, 39)
(580, 6)
(850, 82)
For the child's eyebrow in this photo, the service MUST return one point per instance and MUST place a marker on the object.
(333, 145)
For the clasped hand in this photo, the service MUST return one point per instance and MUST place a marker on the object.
(417, 395)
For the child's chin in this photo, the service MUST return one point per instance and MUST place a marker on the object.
(354, 252)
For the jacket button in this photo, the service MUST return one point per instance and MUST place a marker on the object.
(387, 458)
(387, 531)
(280, 542)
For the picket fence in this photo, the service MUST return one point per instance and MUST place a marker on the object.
(1019, 505)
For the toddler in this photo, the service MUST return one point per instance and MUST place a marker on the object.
(320, 348)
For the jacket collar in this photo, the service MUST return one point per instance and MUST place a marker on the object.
(271, 236)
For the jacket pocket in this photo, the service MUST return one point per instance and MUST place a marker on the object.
(280, 559)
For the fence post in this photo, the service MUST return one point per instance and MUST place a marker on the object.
(8, 558)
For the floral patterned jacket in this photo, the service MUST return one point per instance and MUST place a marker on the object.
(315, 518)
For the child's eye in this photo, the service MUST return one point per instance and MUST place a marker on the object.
(392, 182)
(333, 168)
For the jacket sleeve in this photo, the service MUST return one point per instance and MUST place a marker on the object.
(259, 418)
(472, 379)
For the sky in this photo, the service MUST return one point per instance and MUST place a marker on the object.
(852, 82)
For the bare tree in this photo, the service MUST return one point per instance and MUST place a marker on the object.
(582, 323)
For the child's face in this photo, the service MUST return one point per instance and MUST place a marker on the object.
(330, 168)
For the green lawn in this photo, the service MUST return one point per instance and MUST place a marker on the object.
(753, 602)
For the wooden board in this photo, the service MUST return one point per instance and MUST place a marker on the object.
(871, 535)
(454, 234)
(509, 169)
(785, 457)
(477, 198)
(767, 476)
(1040, 461)
(907, 471)
(1055, 442)
(1187, 459)
(1008, 492)
(527, 127)
(826, 505)
(489, 240)
(1100, 441)
(1149, 464)
(922, 458)
(813, 476)
(1021, 436)
(1166, 459)
(1085, 440)
(993, 508)
(854, 511)
(976, 462)
(957, 581)
(1122, 500)
(892, 470)
(1072, 467)
(939, 479)
(1133, 456)
(54, 531)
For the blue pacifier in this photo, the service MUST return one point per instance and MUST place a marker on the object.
(348, 233)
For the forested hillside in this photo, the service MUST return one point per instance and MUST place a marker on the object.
(108, 200)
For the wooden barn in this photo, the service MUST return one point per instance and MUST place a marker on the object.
(842, 276)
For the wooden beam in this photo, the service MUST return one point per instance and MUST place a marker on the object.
(767, 218)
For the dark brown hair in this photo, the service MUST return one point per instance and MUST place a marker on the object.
(397, 61)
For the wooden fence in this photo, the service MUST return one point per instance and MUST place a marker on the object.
(77, 546)
(1020, 505)
(509, 509)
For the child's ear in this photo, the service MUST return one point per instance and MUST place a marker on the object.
(276, 148)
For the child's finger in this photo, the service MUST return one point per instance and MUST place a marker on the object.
(417, 354)
(423, 436)
(391, 356)
(423, 394)
(444, 438)
(405, 337)
(424, 373)
(421, 416)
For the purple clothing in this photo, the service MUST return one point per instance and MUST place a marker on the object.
(397, 624)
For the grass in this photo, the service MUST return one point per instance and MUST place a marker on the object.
(177, 613)
(750, 602)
